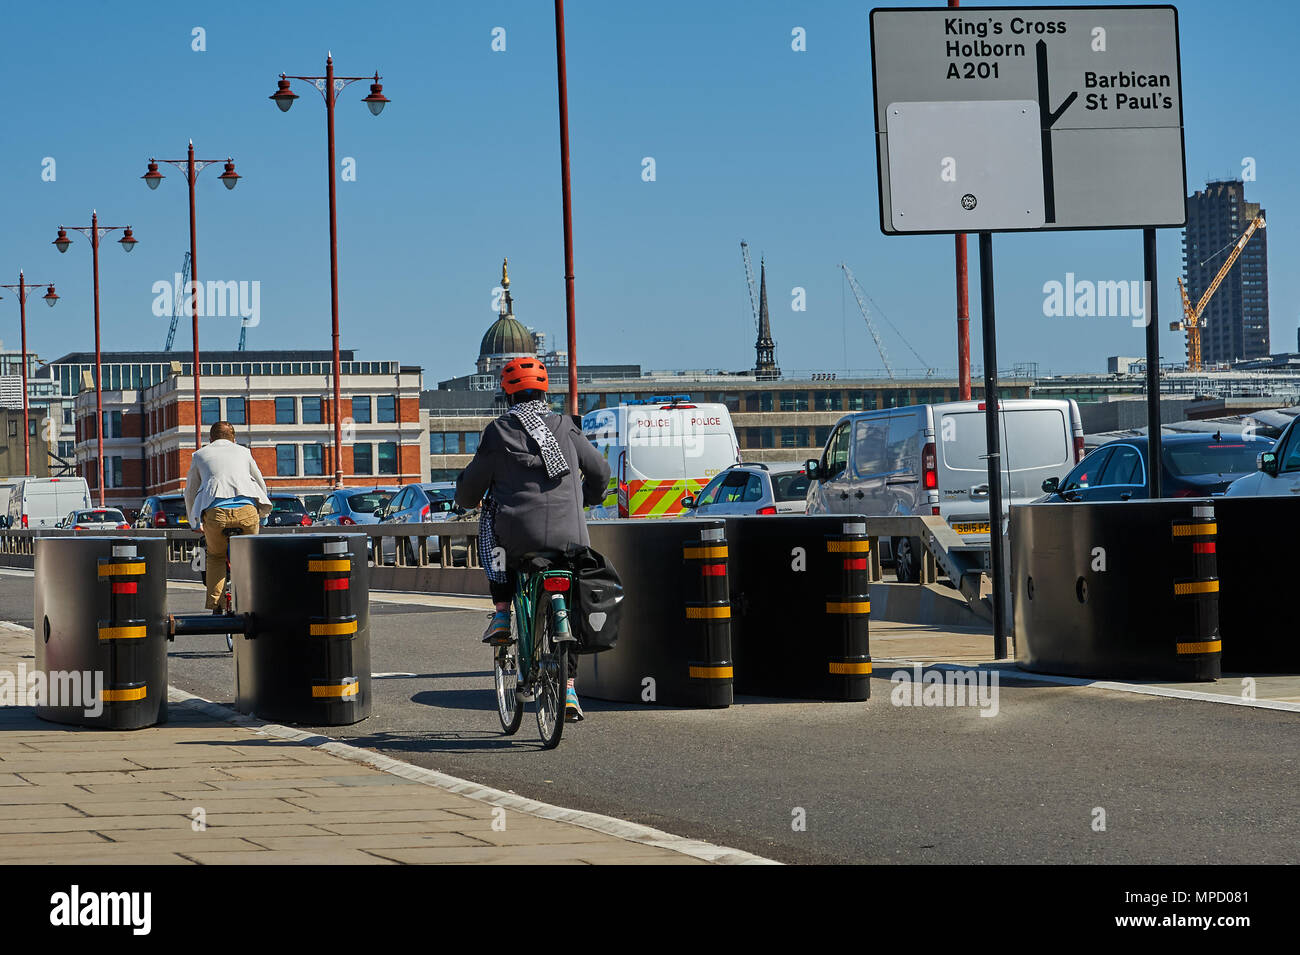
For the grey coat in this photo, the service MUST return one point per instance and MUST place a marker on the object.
(534, 512)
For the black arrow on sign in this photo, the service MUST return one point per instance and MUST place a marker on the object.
(1047, 118)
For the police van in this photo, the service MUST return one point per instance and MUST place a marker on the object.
(659, 451)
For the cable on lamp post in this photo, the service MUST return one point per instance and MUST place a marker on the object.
(191, 167)
(329, 86)
(50, 297)
(128, 242)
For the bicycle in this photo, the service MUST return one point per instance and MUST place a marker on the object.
(535, 667)
(228, 595)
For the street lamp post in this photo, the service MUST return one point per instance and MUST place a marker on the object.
(192, 167)
(50, 297)
(95, 231)
(329, 87)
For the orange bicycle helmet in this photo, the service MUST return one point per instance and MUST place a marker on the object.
(523, 374)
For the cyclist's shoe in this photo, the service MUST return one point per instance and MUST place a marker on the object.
(498, 631)
(572, 711)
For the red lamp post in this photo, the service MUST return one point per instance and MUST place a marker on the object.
(50, 297)
(329, 87)
(192, 167)
(127, 242)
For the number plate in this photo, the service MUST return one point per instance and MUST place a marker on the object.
(974, 528)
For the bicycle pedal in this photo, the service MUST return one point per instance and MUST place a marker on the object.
(525, 696)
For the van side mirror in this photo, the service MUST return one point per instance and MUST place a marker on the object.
(1051, 485)
(813, 469)
(1268, 463)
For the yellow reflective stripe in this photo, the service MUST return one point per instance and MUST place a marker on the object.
(1207, 646)
(1195, 530)
(848, 606)
(708, 613)
(711, 673)
(1196, 587)
(335, 690)
(121, 633)
(702, 553)
(124, 696)
(333, 629)
(322, 566)
(848, 547)
(118, 570)
(837, 667)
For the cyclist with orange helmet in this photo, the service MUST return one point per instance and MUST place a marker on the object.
(534, 471)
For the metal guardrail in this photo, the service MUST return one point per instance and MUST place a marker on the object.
(444, 557)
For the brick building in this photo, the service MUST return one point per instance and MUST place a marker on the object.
(284, 418)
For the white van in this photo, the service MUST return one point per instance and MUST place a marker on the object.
(43, 502)
(930, 459)
(659, 452)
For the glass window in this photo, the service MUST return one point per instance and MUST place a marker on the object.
(829, 401)
(387, 457)
(361, 409)
(759, 401)
(115, 424)
(1229, 455)
(1089, 469)
(710, 493)
(791, 486)
(313, 459)
(469, 441)
(1124, 467)
(235, 411)
(733, 487)
(753, 490)
(438, 442)
(211, 410)
(794, 401)
(311, 412)
(285, 412)
(903, 452)
(789, 437)
(822, 434)
(870, 437)
(363, 459)
(286, 460)
(386, 407)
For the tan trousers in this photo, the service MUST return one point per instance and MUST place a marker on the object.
(215, 521)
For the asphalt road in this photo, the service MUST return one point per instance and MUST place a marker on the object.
(1180, 781)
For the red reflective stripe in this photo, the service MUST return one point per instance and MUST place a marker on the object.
(713, 570)
(1206, 547)
(125, 587)
(855, 563)
(336, 583)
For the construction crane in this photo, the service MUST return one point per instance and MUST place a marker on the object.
(749, 278)
(243, 332)
(871, 326)
(181, 298)
(1192, 322)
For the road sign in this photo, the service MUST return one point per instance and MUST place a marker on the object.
(1001, 119)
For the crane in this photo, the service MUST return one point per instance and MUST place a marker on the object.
(749, 278)
(871, 326)
(243, 332)
(1192, 322)
(182, 297)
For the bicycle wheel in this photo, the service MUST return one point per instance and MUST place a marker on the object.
(506, 674)
(551, 679)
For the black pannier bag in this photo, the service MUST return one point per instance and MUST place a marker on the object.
(598, 604)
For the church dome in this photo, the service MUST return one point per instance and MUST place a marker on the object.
(507, 336)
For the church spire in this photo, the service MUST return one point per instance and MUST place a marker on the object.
(766, 366)
(507, 303)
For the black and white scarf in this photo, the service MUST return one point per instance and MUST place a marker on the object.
(530, 415)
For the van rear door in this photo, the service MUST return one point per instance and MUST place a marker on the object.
(1037, 443)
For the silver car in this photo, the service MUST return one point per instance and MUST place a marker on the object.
(753, 488)
(97, 519)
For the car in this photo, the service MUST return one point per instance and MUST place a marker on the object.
(1277, 471)
(1194, 465)
(349, 506)
(753, 488)
(98, 519)
(163, 510)
(932, 459)
(287, 510)
(419, 504)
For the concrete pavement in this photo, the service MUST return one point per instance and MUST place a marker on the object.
(203, 790)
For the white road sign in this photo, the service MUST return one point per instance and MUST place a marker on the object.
(1021, 118)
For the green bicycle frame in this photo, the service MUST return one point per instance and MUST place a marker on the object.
(532, 599)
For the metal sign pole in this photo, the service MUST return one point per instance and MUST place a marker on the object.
(1153, 361)
(992, 427)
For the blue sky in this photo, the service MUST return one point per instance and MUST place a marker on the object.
(750, 139)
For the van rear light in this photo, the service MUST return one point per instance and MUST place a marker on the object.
(766, 510)
(24, 520)
(930, 475)
(1078, 449)
(935, 510)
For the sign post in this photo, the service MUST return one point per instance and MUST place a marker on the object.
(1015, 119)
